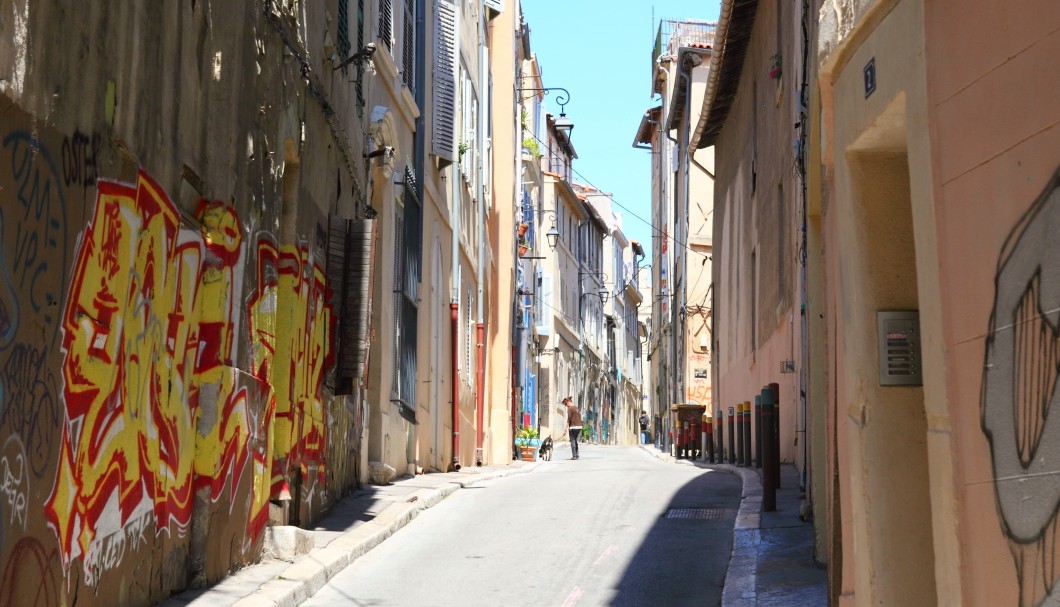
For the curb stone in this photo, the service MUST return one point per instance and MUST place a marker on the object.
(300, 580)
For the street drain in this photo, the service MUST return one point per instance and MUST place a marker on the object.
(695, 513)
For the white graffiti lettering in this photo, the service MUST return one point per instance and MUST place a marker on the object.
(106, 553)
(14, 487)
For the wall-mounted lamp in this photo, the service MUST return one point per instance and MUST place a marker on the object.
(362, 56)
(603, 295)
(552, 235)
(563, 124)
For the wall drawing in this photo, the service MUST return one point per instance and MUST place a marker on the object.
(153, 405)
(162, 375)
(1019, 391)
(291, 321)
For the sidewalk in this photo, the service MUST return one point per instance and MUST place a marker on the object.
(772, 552)
(354, 526)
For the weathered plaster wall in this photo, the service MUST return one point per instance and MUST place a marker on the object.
(754, 218)
(166, 322)
(998, 122)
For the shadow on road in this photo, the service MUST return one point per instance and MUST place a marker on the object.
(682, 560)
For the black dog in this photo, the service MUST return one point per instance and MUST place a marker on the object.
(545, 452)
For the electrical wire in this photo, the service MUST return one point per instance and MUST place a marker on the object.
(611, 197)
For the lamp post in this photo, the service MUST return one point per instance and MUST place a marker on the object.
(563, 124)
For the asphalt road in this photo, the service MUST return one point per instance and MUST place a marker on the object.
(595, 531)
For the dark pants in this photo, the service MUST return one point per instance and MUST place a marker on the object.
(575, 434)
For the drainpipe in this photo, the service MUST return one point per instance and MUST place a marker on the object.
(480, 182)
(454, 301)
(454, 313)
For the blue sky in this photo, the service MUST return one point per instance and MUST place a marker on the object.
(600, 51)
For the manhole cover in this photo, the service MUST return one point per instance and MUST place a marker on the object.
(695, 513)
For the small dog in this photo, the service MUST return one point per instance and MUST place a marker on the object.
(545, 452)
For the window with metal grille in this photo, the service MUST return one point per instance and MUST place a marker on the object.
(399, 279)
(408, 46)
(386, 24)
(408, 260)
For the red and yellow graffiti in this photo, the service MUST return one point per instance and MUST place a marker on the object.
(153, 408)
(290, 322)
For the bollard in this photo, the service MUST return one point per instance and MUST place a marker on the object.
(758, 430)
(769, 483)
(693, 434)
(708, 438)
(732, 435)
(774, 389)
(677, 441)
(719, 433)
(747, 433)
(741, 417)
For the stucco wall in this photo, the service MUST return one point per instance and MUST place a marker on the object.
(998, 124)
(166, 316)
(755, 206)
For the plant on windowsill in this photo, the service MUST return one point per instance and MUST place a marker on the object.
(530, 146)
(528, 440)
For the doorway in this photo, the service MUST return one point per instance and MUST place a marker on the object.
(891, 491)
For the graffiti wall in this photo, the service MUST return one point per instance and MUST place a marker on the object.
(162, 378)
(1018, 392)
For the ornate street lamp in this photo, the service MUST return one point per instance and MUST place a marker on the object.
(563, 124)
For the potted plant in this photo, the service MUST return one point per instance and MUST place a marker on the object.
(528, 440)
(530, 146)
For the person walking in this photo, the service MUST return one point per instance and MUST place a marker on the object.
(574, 425)
(644, 421)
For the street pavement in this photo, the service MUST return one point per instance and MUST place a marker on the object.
(772, 558)
(770, 561)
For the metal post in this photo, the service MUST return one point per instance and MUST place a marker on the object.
(719, 433)
(769, 484)
(740, 437)
(708, 439)
(678, 439)
(774, 389)
(732, 435)
(758, 430)
(747, 433)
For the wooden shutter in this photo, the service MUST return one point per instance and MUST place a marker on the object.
(386, 24)
(443, 117)
(408, 46)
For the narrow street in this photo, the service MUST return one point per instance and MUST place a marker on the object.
(589, 532)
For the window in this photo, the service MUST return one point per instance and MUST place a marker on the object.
(386, 24)
(443, 108)
(408, 234)
(408, 46)
(344, 46)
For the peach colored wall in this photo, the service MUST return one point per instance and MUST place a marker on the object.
(997, 121)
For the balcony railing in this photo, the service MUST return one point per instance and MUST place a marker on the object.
(674, 34)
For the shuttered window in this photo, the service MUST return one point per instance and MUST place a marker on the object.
(349, 271)
(443, 113)
(408, 46)
(344, 29)
(386, 24)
